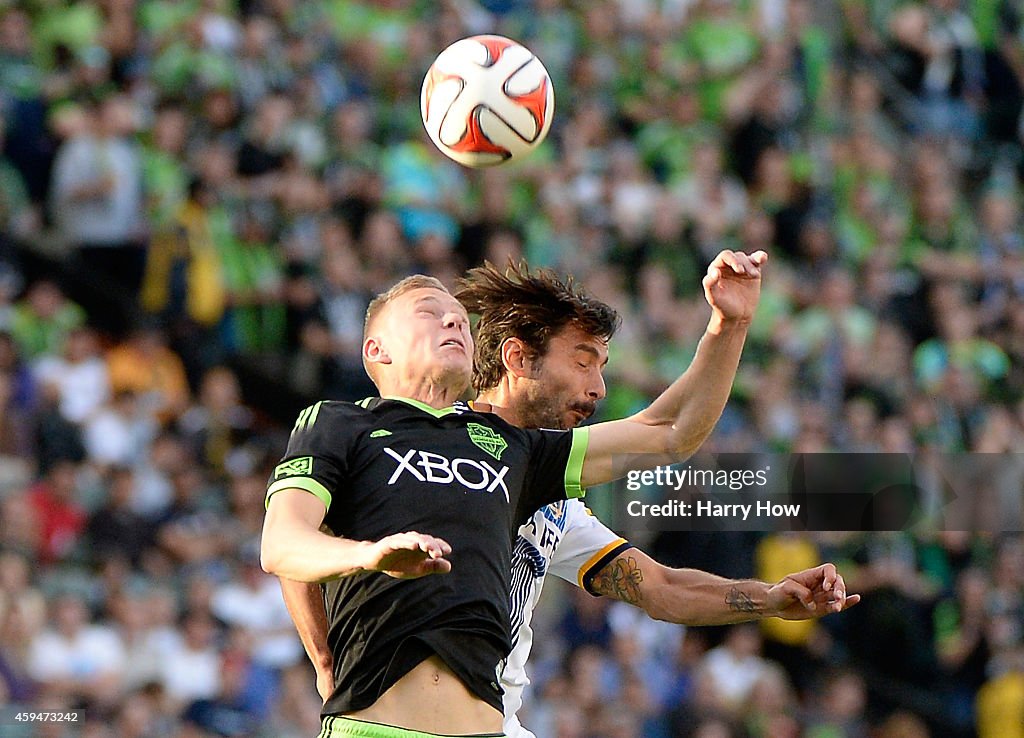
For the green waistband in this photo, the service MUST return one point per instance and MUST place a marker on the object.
(341, 727)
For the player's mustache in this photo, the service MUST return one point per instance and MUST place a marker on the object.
(586, 408)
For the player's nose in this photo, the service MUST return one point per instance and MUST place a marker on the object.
(597, 389)
(454, 320)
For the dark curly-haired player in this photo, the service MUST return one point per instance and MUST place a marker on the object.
(424, 656)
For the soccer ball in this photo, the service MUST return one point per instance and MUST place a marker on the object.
(486, 100)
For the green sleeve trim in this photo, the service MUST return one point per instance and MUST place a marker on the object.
(307, 417)
(304, 483)
(436, 412)
(313, 414)
(574, 466)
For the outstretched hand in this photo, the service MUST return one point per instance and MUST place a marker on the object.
(732, 285)
(409, 555)
(810, 593)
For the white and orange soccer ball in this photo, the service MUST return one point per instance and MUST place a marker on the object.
(487, 100)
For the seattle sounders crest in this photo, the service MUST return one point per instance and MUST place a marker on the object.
(487, 439)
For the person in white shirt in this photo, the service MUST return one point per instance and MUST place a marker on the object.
(75, 657)
(736, 666)
(79, 376)
(537, 366)
(192, 670)
(252, 602)
(119, 433)
(96, 193)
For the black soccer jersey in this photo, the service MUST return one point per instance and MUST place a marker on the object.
(387, 466)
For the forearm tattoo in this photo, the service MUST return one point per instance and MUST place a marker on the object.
(740, 601)
(620, 579)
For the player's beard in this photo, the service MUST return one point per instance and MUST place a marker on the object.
(546, 410)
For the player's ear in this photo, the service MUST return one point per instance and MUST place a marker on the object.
(515, 358)
(374, 351)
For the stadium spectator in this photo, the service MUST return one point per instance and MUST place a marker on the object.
(143, 654)
(192, 529)
(164, 174)
(788, 642)
(771, 711)
(57, 511)
(252, 602)
(254, 279)
(43, 319)
(153, 489)
(15, 438)
(192, 669)
(872, 147)
(840, 710)
(18, 220)
(119, 433)
(904, 725)
(96, 195)
(115, 529)
(736, 666)
(74, 658)
(22, 615)
(1001, 695)
(144, 365)
(230, 712)
(218, 422)
(183, 285)
(78, 374)
(17, 628)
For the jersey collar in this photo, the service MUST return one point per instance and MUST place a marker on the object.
(422, 406)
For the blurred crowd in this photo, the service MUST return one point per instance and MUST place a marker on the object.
(933, 650)
(225, 183)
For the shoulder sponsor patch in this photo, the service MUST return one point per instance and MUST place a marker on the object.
(487, 439)
(302, 466)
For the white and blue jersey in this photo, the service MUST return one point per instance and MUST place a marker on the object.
(563, 539)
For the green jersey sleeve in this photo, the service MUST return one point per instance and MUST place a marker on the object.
(555, 467)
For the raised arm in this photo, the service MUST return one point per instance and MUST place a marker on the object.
(294, 548)
(694, 597)
(675, 425)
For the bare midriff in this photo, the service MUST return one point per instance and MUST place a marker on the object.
(431, 699)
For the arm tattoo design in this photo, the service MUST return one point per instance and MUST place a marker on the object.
(621, 580)
(739, 601)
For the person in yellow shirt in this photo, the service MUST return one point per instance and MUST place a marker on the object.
(183, 270)
(787, 641)
(145, 366)
(1000, 702)
(184, 284)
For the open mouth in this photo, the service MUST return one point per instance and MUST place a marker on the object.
(453, 342)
